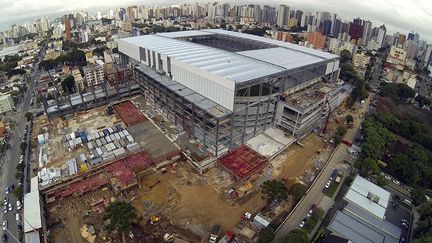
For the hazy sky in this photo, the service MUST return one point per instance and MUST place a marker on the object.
(397, 15)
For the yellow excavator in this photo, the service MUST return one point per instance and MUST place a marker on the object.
(154, 219)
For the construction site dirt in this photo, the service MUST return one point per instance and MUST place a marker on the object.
(189, 204)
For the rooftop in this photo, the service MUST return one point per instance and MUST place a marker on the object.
(242, 162)
(263, 56)
(32, 208)
(368, 196)
(309, 96)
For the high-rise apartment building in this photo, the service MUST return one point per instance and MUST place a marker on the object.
(93, 74)
(367, 32)
(283, 15)
(356, 29)
(67, 28)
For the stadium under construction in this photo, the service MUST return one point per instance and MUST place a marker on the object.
(225, 87)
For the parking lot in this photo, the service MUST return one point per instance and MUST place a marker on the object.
(396, 212)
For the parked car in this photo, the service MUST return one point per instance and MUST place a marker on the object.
(5, 225)
(10, 207)
(302, 223)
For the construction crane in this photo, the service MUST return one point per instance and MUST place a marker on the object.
(327, 118)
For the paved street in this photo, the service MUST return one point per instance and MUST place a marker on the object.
(12, 157)
(315, 194)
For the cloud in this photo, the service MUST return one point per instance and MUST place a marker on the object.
(398, 15)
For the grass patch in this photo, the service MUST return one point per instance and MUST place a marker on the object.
(313, 220)
(320, 231)
(333, 187)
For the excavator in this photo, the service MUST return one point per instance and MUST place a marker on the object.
(155, 219)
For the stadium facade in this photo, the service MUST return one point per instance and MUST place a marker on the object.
(225, 87)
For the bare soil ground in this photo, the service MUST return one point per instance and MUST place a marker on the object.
(190, 202)
(297, 159)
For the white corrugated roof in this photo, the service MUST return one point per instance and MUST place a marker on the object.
(226, 64)
(238, 67)
(32, 208)
(180, 34)
(283, 57)
(305, 50)
(359, 191)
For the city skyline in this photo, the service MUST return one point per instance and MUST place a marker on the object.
(399, 16)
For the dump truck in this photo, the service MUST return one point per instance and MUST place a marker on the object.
(227, 238)
(215, 233)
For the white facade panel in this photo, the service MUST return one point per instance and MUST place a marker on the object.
(214, 87)
(129, 49)
(332, 67)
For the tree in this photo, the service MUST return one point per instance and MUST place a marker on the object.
(19, 175)
(297, 236)
(405, 92)
(14, 72)
(368, 165)
(349, 119)
(99, 51)
(425, 239)
(423, 101)
(274, 190)
(47, 64)
(20, 167)
(115, 50)
(345, 56)
(68, 84)
(298, 190)
(381, 181)
(23, 146)
(18, 192)
(341, 131)
(418, 196)
(28, 115)
(119, 216)
(266, 235)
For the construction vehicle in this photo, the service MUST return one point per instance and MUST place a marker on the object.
(168, 238)
(227, 237)
(215, 233)
(155, 219)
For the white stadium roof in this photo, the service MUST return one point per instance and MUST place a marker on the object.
(215, 61)
(235, 66)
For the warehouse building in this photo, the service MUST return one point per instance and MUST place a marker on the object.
(224, 88)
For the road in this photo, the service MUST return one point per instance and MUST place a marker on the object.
(314, 195)
(12, 157)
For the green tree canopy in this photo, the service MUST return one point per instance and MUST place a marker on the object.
(298, 190)
(349, 118)
(14, 72)
(418, 196)
(341, 131)
(28, 115)
(68, 84)
(119, 216)
(47, 64)
(297, 236)
(266, 235)
(345, 56)
(274, 190)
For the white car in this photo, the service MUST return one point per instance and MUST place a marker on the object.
(309, 213)
(5, 209)
(5, 225)
(328, 184)
(10, 207)
(302, 223)
(7, 190)
(396, 182)
(19, 206)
